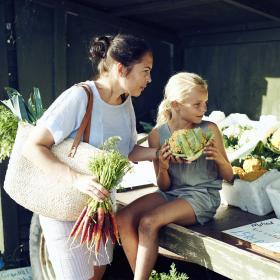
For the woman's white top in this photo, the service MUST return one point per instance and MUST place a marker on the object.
(64, 117)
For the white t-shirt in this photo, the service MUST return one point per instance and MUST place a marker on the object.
(64, 116)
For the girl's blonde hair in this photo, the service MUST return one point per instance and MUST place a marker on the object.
(177, 89)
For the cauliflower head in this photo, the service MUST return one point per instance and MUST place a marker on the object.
(275, 139)
(252, 164)
(189, 143)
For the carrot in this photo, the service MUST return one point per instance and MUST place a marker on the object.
(97, 244)
(87, 221)
(92, 239)
(115, 226)
(89, 233)
(77, 233)
(77, 223)
(111, 233)
(100, 222)
(106, 234)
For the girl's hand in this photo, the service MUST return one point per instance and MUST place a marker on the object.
(88, 184)
(213, 153)
(164, 157)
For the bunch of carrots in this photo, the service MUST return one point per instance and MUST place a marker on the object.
(97, 221)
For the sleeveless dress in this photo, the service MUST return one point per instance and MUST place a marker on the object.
(197, 182)
(63, 119)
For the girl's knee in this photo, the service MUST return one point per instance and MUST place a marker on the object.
(148, 225)
(123, 217)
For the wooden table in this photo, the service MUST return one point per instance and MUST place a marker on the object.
(206, 246)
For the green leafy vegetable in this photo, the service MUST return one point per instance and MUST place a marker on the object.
(8, 130)
(173, 275)
(29, 112)
(16, 109)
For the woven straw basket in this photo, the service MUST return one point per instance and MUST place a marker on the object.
(39, 192)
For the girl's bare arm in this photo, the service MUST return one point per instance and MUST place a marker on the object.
(216, 151)
(161, 164)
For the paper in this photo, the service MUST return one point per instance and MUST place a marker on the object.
(141, 174)
(264, 234)
(16, 274)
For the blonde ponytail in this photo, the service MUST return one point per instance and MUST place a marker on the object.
(164, 112)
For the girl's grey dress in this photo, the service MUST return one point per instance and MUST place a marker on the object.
(197, 182)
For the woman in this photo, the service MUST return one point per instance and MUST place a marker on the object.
(124, 65)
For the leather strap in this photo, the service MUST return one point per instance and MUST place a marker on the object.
(84, 129)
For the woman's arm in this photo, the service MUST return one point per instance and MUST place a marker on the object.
(216, 151)
(37, 150)
(140, 153)
(161, 164)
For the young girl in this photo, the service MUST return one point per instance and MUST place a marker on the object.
(124, 64)
(188, 191)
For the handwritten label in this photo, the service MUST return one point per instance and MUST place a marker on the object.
(265, 234)
(16, 274)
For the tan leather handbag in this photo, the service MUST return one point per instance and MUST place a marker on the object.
(41, 193)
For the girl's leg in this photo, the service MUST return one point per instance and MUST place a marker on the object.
(177, 211)
(128, 220)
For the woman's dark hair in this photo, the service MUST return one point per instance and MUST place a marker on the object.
(125, 49)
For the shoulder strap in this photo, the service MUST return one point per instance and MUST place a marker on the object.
(84, 129)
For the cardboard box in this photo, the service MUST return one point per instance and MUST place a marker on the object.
(273, 192)
(250, 196)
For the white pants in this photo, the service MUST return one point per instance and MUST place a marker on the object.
(75, 263)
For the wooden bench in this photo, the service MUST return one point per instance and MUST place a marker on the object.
(206, 246)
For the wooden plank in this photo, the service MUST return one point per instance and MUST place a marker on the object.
(218, 256)
(59, 49)
(147, 31)
(158, 6)
(178, 56)
(3, 53)
(205, 246)
(256, 9)
(9, 238)
(240, 37)
(35, 48)
(9, 216)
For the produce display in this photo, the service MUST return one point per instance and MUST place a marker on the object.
(264, 157)
(273, 141)
(189, 143)
(12, 111)
(235, 136)
(8, 130)
(251, 169)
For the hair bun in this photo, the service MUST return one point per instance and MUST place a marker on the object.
(99, 47)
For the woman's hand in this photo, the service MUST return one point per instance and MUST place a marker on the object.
(88, 184)
(213, 153)
(164, 157)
